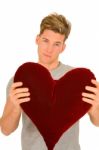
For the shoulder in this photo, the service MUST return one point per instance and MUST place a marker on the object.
(9, 84)
(66, 67)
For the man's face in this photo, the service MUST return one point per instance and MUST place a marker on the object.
(50, 45)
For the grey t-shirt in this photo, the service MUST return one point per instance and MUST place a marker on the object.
(31, 137)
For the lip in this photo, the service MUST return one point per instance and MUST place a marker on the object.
(47, 55)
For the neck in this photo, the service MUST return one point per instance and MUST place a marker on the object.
(50, 66)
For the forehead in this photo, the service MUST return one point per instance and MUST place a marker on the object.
(51, 35)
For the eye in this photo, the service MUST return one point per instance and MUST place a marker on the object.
(57, 44)
(45, 40)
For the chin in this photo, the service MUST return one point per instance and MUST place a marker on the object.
(45, 61)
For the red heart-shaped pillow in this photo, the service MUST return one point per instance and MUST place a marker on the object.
(55, 105)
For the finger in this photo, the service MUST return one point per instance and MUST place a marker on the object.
(95, 83)
(88, 100)
(91, 89)
(20, 90)
(21, 95)
(90, 96)
(16, 84)
(22, 100)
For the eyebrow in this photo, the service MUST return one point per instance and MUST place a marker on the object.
(57, 42)
(44, 38)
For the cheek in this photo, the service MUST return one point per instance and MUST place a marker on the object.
(42, 47)
(57, 50)
(56, 53)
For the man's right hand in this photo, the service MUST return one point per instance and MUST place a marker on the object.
(18, 94)
(12, 110)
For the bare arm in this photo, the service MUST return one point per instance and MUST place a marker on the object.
(93, 99)
(12, 110)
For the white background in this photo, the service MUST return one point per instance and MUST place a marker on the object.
(19, 24)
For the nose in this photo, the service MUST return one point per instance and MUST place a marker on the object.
(49, 48)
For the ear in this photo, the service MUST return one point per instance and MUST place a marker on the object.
(37, 39)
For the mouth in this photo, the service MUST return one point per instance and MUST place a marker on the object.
(47, 55)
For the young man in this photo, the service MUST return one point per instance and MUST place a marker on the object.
(54, 30)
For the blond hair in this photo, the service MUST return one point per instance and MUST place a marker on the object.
(57, 23)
